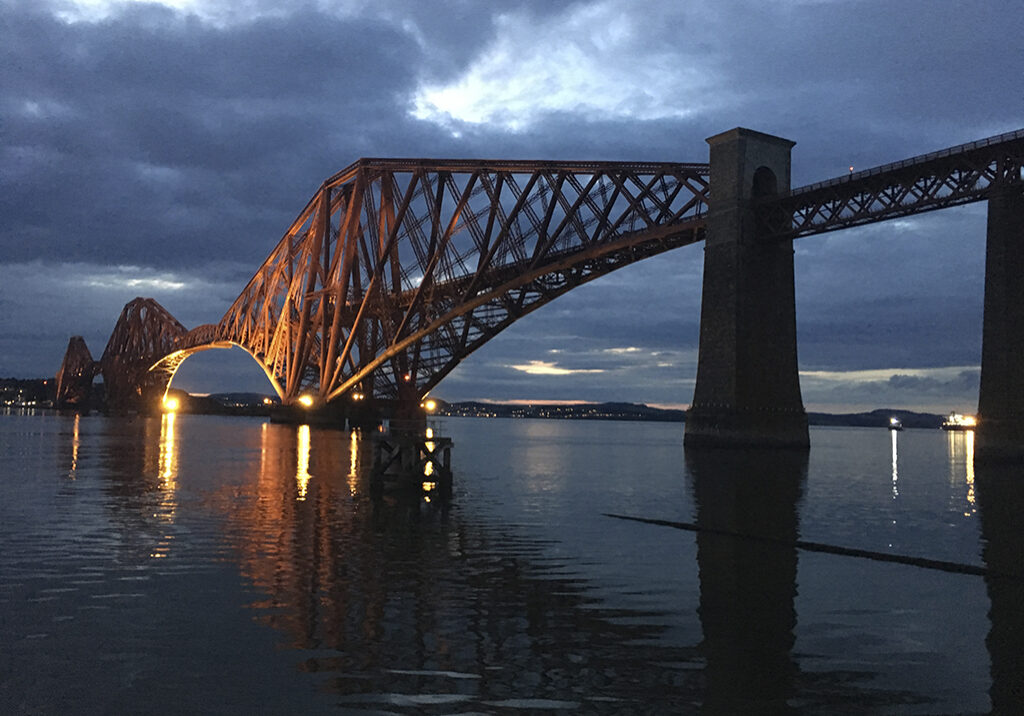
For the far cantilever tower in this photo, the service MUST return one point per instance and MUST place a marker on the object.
(74, 379)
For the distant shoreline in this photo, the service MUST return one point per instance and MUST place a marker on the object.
(638, 411)
(37, 393)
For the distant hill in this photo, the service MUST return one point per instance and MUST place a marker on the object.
(240, 399)
(40, 391)
(877, 419)
(638, 411)
(565, 411)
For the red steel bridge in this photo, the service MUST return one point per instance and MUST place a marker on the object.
(397, 269)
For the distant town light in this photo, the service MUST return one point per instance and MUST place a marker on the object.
(268, 401)
(306, 400)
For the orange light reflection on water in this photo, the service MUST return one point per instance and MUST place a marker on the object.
(168, 451)
(168, 473)
(428, 466)
(353, 465)
(302, 475)
(76, 442)
(960, 449)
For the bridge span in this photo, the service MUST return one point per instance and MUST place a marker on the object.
(397, 269)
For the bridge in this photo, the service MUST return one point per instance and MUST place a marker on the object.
(397, 269)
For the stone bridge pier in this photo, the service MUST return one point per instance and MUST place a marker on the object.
(748, 387)
(1000, 432)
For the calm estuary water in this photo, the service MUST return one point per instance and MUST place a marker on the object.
(224, 565)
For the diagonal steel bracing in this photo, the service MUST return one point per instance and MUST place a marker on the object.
(954, 176)
(396, 269)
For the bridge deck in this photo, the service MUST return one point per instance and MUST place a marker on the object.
(937, 180)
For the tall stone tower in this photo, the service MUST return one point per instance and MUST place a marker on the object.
(748, 387)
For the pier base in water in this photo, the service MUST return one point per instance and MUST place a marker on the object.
(747, 392)
(406, 461)
(1000, 432)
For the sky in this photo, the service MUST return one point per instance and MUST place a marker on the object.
(162, 149)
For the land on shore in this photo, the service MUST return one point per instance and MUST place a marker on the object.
(639, 411)
(39, 393)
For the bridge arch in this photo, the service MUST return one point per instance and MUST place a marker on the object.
(169, 365)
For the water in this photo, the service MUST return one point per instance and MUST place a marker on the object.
(205, 564)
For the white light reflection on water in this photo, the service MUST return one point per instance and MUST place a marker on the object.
(895, 467)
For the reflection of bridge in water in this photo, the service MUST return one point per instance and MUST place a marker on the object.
(382, 599)
(396, 270)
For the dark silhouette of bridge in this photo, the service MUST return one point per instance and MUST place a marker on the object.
(397, 269)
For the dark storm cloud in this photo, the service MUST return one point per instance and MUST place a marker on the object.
(134, 139)
(900, 293)
(184, 144)
(949, 390)
(852, 82)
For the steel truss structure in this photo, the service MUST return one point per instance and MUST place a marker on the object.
(144, 334)
(954, 176)
(397, 269)
(74, 379)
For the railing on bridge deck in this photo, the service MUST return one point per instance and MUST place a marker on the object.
(937, 180)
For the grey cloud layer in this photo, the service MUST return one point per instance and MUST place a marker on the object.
(154, 139)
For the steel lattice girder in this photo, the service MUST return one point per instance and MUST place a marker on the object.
(144, 333)
(77, 370)
(398, 269)
(959, 175)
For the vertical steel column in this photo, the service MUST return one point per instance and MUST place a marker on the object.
(748, 387)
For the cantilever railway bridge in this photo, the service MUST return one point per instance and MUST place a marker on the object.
(397, 269)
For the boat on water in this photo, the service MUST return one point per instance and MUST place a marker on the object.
(956, 421)
(895, 424)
